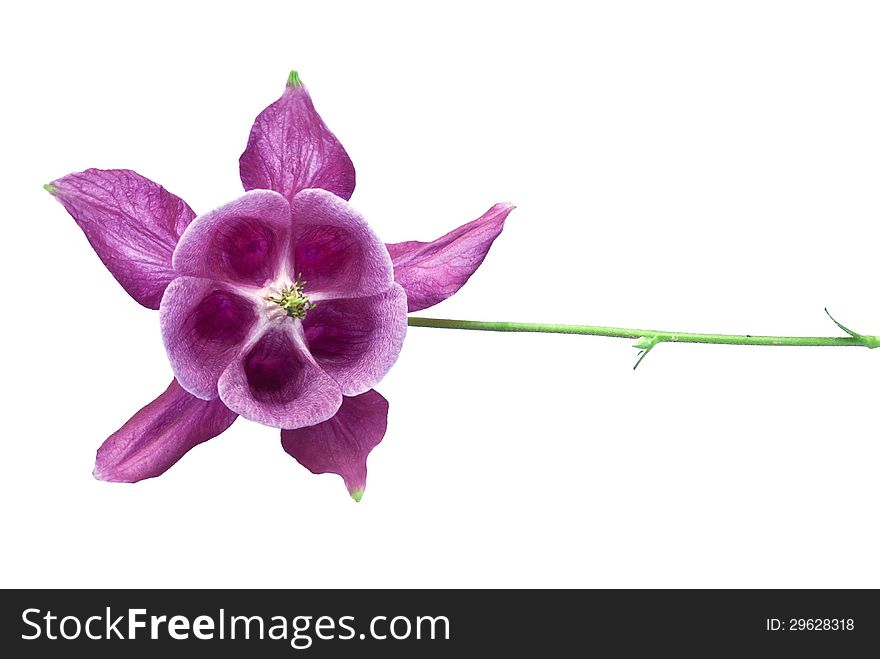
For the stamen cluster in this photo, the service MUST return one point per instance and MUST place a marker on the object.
(293, 300)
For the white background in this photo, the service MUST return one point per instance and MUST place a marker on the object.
(699, 166)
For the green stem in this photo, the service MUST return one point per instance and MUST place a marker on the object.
(660, 336)
(648, 339)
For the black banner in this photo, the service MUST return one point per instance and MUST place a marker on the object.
(437, 623)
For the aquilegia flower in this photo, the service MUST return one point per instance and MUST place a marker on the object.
(282, 306)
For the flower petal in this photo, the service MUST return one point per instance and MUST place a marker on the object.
(159, 435)
(334, 248)
(431, 272)
(243, 241)
(290, 148)
(341, 445)
(132, 223)
(204, 325)
(275, 381)
(357, 341)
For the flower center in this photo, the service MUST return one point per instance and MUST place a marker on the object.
(292, 299)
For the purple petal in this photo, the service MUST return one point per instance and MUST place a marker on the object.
(132, 223)
(431, 272)
(341, 444)
(204, 324)
(275, 381)
(291, 149)
(242, 242)
(334, 248)
(159, 435)
(357, 341)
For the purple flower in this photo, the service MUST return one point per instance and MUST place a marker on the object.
(282, 306)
